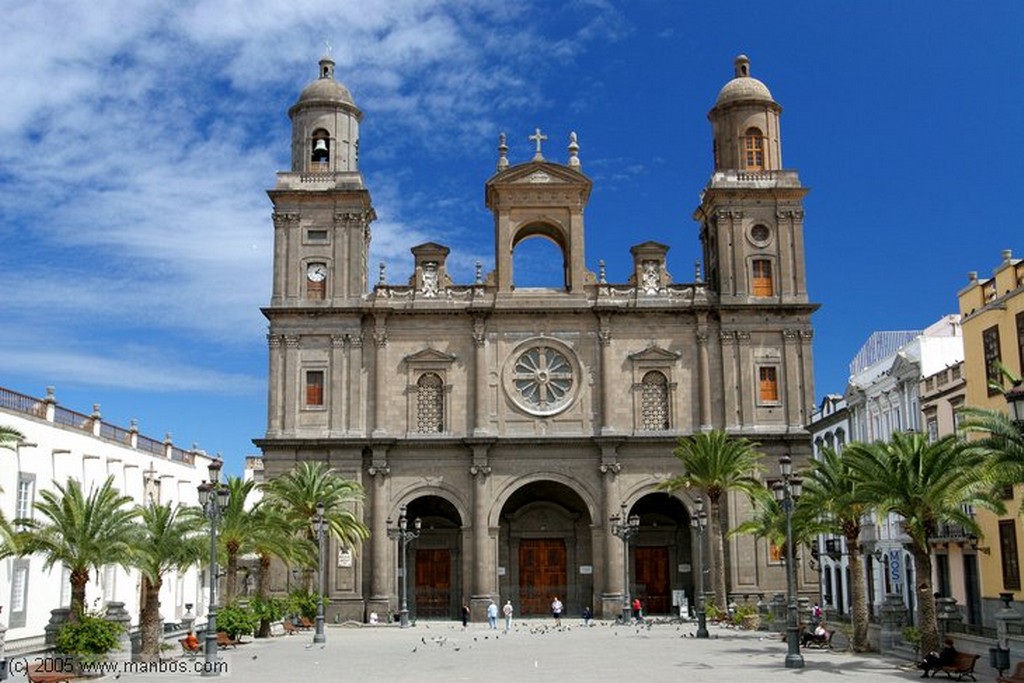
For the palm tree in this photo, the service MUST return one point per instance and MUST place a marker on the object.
(927, 484)
(10, 437)
(299, 491)
(236, 532)
(275, 537)
(81, 533)
(1001, 438)
(716, 463)
(830, 493)
(9, 540)
(166, 539)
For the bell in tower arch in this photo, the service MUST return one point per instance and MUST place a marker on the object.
(321, 150)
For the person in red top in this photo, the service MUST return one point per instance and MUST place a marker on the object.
(191, 642)
(638, 611)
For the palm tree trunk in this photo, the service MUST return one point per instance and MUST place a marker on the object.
(79, 577)
(858, 593)
(928, 624)
(263, 591)
(230, 575)
(149, 620)
(718, 551)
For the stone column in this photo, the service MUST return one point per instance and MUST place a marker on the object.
(604, 343)
(482, 576)
(790, 378)
(703, 373)
(480, 407)
(380, 338)
(382, 576)
(354, 391)
(275, 397)
(117, 614)
(611, 594)
(729, 379)
(336, 394)
(893, 618)
(291, 378)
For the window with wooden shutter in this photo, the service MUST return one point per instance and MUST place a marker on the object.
(315, 388)
(768, 384)
(753, 143)
(761, 270)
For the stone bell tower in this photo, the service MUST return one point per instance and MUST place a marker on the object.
(751, 210)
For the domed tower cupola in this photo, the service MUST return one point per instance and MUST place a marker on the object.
(745, 124)
(325, 126)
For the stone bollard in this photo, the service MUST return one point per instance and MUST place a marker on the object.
(58, 617)
(946, 612)
(803, 611)
(117, 614)
(188, 619)
(893, 617)
(778, 610)
(1004, 619)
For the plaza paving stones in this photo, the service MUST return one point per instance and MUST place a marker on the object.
(442, 652)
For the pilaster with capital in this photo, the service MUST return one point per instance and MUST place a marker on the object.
(355, 411)
(480, 407)
(604, 342)
(730, 378)
(380, 338)
(380, 471)
(336, 397)
(275, 348)
(291, 378)
(285, 229)
(610, 468)
(703, 372)
(482, 574)
(744, 376)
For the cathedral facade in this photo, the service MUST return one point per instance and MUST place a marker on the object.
(514, 423)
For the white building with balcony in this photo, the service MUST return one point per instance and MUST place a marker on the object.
(60, 444)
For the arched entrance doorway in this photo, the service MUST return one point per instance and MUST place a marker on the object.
(546, 549)
(435, 580)
(662, 554)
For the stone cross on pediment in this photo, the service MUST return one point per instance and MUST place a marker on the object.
(538, 137)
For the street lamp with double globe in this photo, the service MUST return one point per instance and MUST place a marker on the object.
(404, 534)
(786, 493)
(699, 522)
(319, 528)
(213, 498)
(625, 528)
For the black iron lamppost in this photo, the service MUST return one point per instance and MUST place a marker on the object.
(213, 498)
(699, 521)
(1015, 402)
(319, 527)
(625, 528)
(404, 534)
(786, 492)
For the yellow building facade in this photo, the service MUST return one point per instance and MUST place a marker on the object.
(992, 313)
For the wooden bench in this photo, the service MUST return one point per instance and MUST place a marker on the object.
(962, 667)
(289, 627)
(224, 640)
(305, 624)
(44, 673)
(1016, 677)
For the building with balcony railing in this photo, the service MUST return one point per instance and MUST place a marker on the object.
(60, 444)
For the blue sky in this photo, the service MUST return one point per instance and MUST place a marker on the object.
(137, 141)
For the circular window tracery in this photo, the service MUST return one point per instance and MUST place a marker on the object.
(541, 378)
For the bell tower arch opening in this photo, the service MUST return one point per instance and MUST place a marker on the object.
(540, 258)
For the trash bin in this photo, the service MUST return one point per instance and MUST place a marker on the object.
(999, 659)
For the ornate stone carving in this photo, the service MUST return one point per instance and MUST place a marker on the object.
(428, 288)
(649, 279)
(379, 470)
(480, 470)
(610, 468)
(285, 219)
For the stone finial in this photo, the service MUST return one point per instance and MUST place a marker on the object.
(696, 272)
(574, 151)
(1007, 255)
(600, 272)
(96, 411)
(382, 278)
(502, 152)
(479, 273)
(972, 276)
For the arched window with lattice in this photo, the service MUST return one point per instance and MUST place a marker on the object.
(654, 402)
(753, 144)
(430, 404)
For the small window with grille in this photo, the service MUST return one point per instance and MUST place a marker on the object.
(430, 404)
(654, 402)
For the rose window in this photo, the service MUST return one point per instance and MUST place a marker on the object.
(543, 380)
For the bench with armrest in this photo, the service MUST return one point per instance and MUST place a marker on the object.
(44, 673)
(1016, 677)
(289, 627)
(224, 640)
(961, 667)
(305, 624)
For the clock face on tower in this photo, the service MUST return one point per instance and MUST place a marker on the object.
(316, 272)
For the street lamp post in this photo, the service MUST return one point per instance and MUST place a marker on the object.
(699, 521)
(1015, 402)
(786, 492)
(213, 497)
(404, 534)
(319, 527)
(625, 528)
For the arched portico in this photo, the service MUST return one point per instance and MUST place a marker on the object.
(545, 548)
(662, 554)
(435, 559)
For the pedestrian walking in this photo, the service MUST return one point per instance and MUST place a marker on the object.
(507, 611)
(556, 611)
(638, 610)
(465, 614)
(492, 616)
(587, 616)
